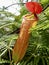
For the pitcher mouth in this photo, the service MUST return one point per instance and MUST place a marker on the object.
(30, 17)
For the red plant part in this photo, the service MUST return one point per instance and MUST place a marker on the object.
(21, 44)
(34, 7)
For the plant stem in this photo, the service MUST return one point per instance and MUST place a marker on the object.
(45, 7)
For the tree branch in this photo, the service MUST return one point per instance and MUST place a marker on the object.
(13, 4)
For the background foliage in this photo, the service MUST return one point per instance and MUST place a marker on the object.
(38, 49)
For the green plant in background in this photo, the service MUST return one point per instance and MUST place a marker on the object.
(44, 1)
(38, 49)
